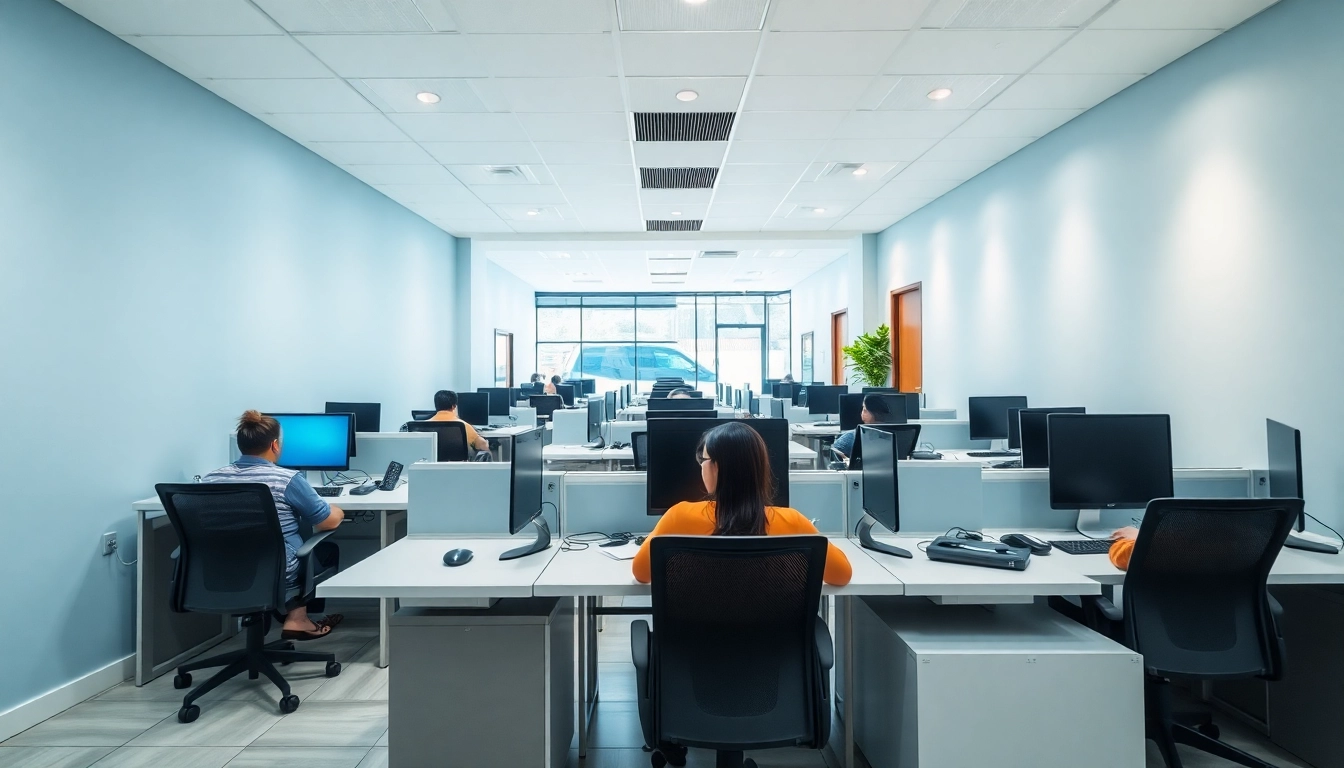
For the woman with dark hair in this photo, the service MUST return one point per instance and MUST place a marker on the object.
(735, 469)
(875, 411)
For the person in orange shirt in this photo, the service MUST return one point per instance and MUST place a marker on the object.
(1123, 547)
(735, 468)
(445, 402)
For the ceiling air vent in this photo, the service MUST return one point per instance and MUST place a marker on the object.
(503, 172)
(677, 178)
(683, 126)
(672, 225)
(718, 254)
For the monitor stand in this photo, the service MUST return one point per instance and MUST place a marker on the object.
(1312, 542)
(540, 544)
(1089, 524)
(867, 541)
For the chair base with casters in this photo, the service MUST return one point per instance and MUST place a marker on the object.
(258, 658)
(1166, 728)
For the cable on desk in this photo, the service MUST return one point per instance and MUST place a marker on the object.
(1323, 525)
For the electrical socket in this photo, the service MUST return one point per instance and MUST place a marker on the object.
(109, 543)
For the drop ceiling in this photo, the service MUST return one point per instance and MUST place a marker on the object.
(534, 131)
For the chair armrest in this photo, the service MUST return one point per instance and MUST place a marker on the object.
(825, 648)
(639, 645)
(177, 551)
(311, 542)
(1275, 609)
(1107, 609)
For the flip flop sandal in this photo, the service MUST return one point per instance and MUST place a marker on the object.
(301, 635)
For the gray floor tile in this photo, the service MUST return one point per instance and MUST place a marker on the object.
(616, 682)
(383, 741)
(94, 724)
(616, 725)
(377, 758)
(304, 680)
(221, 724)
(177, 757)
(323, 757)
(51, 757)
(360, 680)
(329, 723)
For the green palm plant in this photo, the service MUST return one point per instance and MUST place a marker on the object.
(869, 357)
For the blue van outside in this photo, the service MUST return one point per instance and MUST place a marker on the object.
(614, 365)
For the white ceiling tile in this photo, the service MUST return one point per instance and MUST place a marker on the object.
(674, 211)
(957, 52)
(912, 188)
(362, 16)
(584, 152)
(760, 209)
(484, 152)
(399, 56)
(371, 152)
(462, 126)
(469, 227)
(874, 174)
(482, 175)
(533, 56)
(848, 191)
(465, 209)
(808, 15)
(1186, 14)
(826, 53)
(557, 94)
(771, 152)
(799, 225)
(889, 207)
(546, 227)
(677, 198)
(401, 174)
(911, 92)
(155, 17)
(573, 126)
(762, 173)
(661, 15)
(1061, 91)
(659, 94)
(861, 223)
(689, 54)
(536, 195)
(926, 170)
(540, 214)
(1014, 122)
(747, 224)
(751, 193)
(549, 16)
(591, 196)
(291, 95)
(773, 126)
(581, 175)
(1123, 51)
(987, 150)
(680, 154)
(399, 95)
(1011, 14)
(802, 94)
(335, 127)
(873, 150)
(900, 125)
(417, 194)
(239, 57)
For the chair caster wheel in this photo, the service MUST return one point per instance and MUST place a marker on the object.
(182, 680)
(657, 760)
(748, 763)
(188, 713)
(1210, 730)
(288, 704)
(333, 668)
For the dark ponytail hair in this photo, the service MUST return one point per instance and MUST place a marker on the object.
(746, 486)
(256, 432)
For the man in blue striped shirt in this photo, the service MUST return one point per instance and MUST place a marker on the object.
(259, 441)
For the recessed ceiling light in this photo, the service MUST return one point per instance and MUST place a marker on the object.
(818, 210)
(687, 95)
(938, 94)
(860, 171)
(534, 212)
(676, 213)
(695, 2)
(426, 97)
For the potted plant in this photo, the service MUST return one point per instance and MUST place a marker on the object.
(869, 357)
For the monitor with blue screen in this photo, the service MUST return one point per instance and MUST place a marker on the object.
(314, 441)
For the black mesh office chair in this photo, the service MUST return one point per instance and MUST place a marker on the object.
(451, 440)
(1196, 606)
(546, 404)
(741, 659)
(639, 445)
(231, 560)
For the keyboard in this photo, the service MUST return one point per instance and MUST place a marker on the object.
(328, 490)
(989, 454)
(825, 423)
(1017, 464)
(1083, 546)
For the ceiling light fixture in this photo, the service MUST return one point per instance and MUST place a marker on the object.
(426, 97)
(687, 95)
(534, 212)
(938, 94)
(695, 2)
(818, 210)
(860, 171)
(676, 213)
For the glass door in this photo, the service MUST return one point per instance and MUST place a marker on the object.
(741, 355)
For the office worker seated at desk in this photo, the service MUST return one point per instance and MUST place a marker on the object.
(445, 402)
(259, 442)
(1123, 546)
(550, 386)
(681, 393)
(875, 411)
(735, 469)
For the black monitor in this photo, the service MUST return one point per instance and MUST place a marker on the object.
(681, 404)
(353, 419)
(596, 415)
(1285, 464)
(474, 408)
(501, 399)
(851, 411)
(609, 399)
(1014, 434)
(881, 502)
(907, 438)
(674, 474)
(777, 408)
(1034, 437)
(911, 399)
(989, 416)
(788, 391)
(753, 404)
(545, 404)
(1104, 461)
(319, 442)
(825, 399)
(526, 485)
(566, 393)
(589, 386)
(367, 415)
(422, 415)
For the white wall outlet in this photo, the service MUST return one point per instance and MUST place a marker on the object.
(109, 543)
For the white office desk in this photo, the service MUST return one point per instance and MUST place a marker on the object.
(957, 583)
(413, 568)
(610, 458)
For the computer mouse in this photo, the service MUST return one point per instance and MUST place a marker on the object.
(455, 557)
(1037, 546)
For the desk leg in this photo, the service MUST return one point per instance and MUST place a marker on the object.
(585, 639)
(386, 535)
(849, 681)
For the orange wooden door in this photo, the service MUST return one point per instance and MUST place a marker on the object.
(907, 353)
(839, 333)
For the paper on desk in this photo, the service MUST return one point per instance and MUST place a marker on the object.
(621, 553)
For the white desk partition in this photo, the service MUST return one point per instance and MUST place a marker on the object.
(373, 450)
(470, 499)
(569, 427)
(933, 496)
(526, 417)
(949, 433)
(937, 413)
(799, 415)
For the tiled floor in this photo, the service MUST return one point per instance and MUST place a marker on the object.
(342, 722)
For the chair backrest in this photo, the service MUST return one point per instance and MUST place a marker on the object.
(907, 438)
(451, 440)
(232, 554)
(545, 404)
(639, 445)
(734, 656)
(1195, 598)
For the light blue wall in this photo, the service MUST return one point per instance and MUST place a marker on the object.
(165, 262)
(1176, 249)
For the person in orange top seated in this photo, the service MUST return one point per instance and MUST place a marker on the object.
(1123, 546)
(445, 402)
(735, 468)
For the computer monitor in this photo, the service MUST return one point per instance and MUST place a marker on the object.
(597, 408)
(351, 447)
(1284, 445)
(825, 399)
(907, 438)
(609, 399)
(681, 404)
(753, 404)
(526, 485)
(319, 442)
(422, 415)
(989, 416)
(912, 399)
(1105, 461)
(851, 411)
(776, 408)
(629, 394)
(674, 474)
(501, 399)
(881, 503)
(566, 393)
(589, 386)
(545, 404)
(1034, 437)
(1014, 435)
(367, 415)
(474, 408)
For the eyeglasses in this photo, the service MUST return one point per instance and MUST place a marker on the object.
(700, 458)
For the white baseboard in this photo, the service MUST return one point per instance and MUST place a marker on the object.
(56, 701)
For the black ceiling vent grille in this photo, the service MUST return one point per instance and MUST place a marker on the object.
(678, 178)
(683, 126)
(672, 225)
